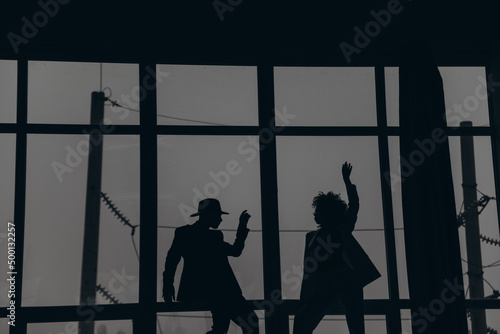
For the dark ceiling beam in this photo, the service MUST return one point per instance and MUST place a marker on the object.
(458, 56)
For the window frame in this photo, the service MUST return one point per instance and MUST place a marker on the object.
(144, 312)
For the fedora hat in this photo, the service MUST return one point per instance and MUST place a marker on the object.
(209, 205)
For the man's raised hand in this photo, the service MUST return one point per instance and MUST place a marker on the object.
(244, 217)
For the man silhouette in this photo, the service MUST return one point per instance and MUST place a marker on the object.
(342, 266)
(207, 275)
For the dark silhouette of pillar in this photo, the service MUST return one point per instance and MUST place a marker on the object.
(429, 210)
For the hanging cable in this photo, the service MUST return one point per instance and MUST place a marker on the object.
(106, 96)
(100, 77)
(491, 265)
(492, 288)
(188, 120)
(135, 246)
(290, 231)
(124, 220)
(116, 104)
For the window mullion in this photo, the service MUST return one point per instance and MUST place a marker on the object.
(394, 314)
(276, 321)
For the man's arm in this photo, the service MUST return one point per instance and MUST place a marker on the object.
(171, 262)
(241, 235)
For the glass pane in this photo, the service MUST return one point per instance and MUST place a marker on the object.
(185, 322)
(60, 92)
(55, 218)
(493, 320)
(7, 169)
(488, 220)
(100, 327)
(207, 95)
(374, 324)
(326, 96)
(118, 259)
(8, 91)
(191, 168)
(313, 164)
(406, 322)
(465, 95)
(197, 322)
(4, 325)
(394, 178)
(392, 95)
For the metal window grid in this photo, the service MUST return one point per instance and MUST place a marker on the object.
(143, 314)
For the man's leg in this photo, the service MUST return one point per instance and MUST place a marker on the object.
(313, 310)
(352, 298)
(245, 317)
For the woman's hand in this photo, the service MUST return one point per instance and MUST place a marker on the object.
(346, 172)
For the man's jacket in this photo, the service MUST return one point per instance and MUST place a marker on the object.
(206, 273)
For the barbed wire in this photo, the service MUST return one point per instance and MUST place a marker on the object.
(125, 220)
(117, 212)
(106, 294)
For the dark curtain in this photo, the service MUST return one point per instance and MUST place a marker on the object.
(431, 234)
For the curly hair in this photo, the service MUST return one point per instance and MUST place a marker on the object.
(330, 205)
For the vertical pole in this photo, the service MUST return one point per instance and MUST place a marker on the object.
(475, 269)
(20, 190)
(492, 79)
(394, 313)
(92, 211)
(145, 320)
(276, 320)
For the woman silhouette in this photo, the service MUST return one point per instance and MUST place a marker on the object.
(342, 266)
